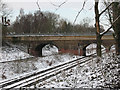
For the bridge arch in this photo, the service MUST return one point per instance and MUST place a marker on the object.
(91, 49)
(40, 47)
(112, 47)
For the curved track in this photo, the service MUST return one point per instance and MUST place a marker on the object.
(35, 77)
(38, 76)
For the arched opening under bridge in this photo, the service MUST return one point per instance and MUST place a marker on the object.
(46, 49)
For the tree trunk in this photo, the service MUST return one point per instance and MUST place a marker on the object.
(97, 26)
(116, 27)
(117, 42)
(99, 45)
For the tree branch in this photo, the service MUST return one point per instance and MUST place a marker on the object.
(38, 5)
(110, 26)
(105, 9)
(109, 14)
(79, 12)
(58, 6)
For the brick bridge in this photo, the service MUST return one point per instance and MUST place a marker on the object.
(65, 44)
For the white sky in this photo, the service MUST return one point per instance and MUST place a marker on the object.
(46, 0)
(67, 11)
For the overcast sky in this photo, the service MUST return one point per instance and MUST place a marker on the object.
(67, 11)
(46, 0)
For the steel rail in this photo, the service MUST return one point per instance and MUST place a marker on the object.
(15, 80)
(35, 77)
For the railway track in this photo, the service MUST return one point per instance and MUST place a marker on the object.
(35, 77)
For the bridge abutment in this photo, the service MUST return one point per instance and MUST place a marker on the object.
(81, 50)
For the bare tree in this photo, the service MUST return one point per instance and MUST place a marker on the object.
(114, 13)
(97, 25)
(99, 34)
(116, 26)
(4, 10)
(4, 13)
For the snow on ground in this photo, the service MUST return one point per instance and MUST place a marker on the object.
(96, 74)
(18, 67)
(10, 54)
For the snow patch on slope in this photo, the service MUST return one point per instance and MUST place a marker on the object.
(10, 54)
(19, 66)
(95, 74)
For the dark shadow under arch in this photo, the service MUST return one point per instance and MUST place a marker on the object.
(38, 49)
(84, 48)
